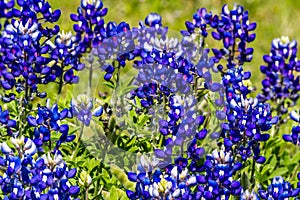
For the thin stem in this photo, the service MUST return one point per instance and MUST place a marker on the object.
(78, 141)
(161, 139)
(87, 193)
(61, 79)
(117, 87)
(90, 80)
(296, 170)
(26, 92)
(181, 148)
(252, 179)
(196, 86)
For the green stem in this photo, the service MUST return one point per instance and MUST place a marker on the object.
(295, 171)
(196, 86)
(78, 142)
(90, 80)
(101, 167)
(117, 87)
(61, 80)
(252, 179)
(87, 193)
(161, 139)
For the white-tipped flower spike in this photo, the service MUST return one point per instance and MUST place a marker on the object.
(28, 144)
(215, 154)
(5, 148)
(294, 116)
(30, 147)
(174, 172)
(83, 3)
(233, 103)
(225, 9)
(58, 159)
(192, 180)
(17, 142)
(48, 104)
(176, 193)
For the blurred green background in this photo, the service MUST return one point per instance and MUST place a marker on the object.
(274, 18)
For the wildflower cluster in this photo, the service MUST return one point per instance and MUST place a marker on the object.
(27, 176)
(247, 119)
(33, 53)
(281, 81)
(193, 136)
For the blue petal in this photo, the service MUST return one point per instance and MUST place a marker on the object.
(74, 190)
(132, 176)
(31, 121)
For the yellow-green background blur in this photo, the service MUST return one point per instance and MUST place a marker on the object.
(274, 18)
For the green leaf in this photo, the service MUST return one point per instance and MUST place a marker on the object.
(265, 169)
(113, 194)
(142, 120)
(105, 174)
(133, 149)
(92, 163)
(273, 163)
(245, 181)
(131, 142)
(278, 172)
(124, 91)
(109, 84)
(296, 158)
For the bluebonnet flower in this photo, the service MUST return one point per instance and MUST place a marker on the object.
(232, 27)
(246, 195)
(147, 93)
(294, 137)
(33, 9)
(159, 185)
(43, 69)
(182, 131)
(149, 186)
(115, 49)
(218, 182)
(6, 121)
(27, 176)
(281, 80)
(176, 181)
(90, 29)
(66, 60)
(47, 121)
(24, 49)
(200, 21)
(247, 118)
(279, 189)
(5, 9)
(83, 108)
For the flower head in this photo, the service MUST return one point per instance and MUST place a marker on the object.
(281, 80)
(83, 108)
